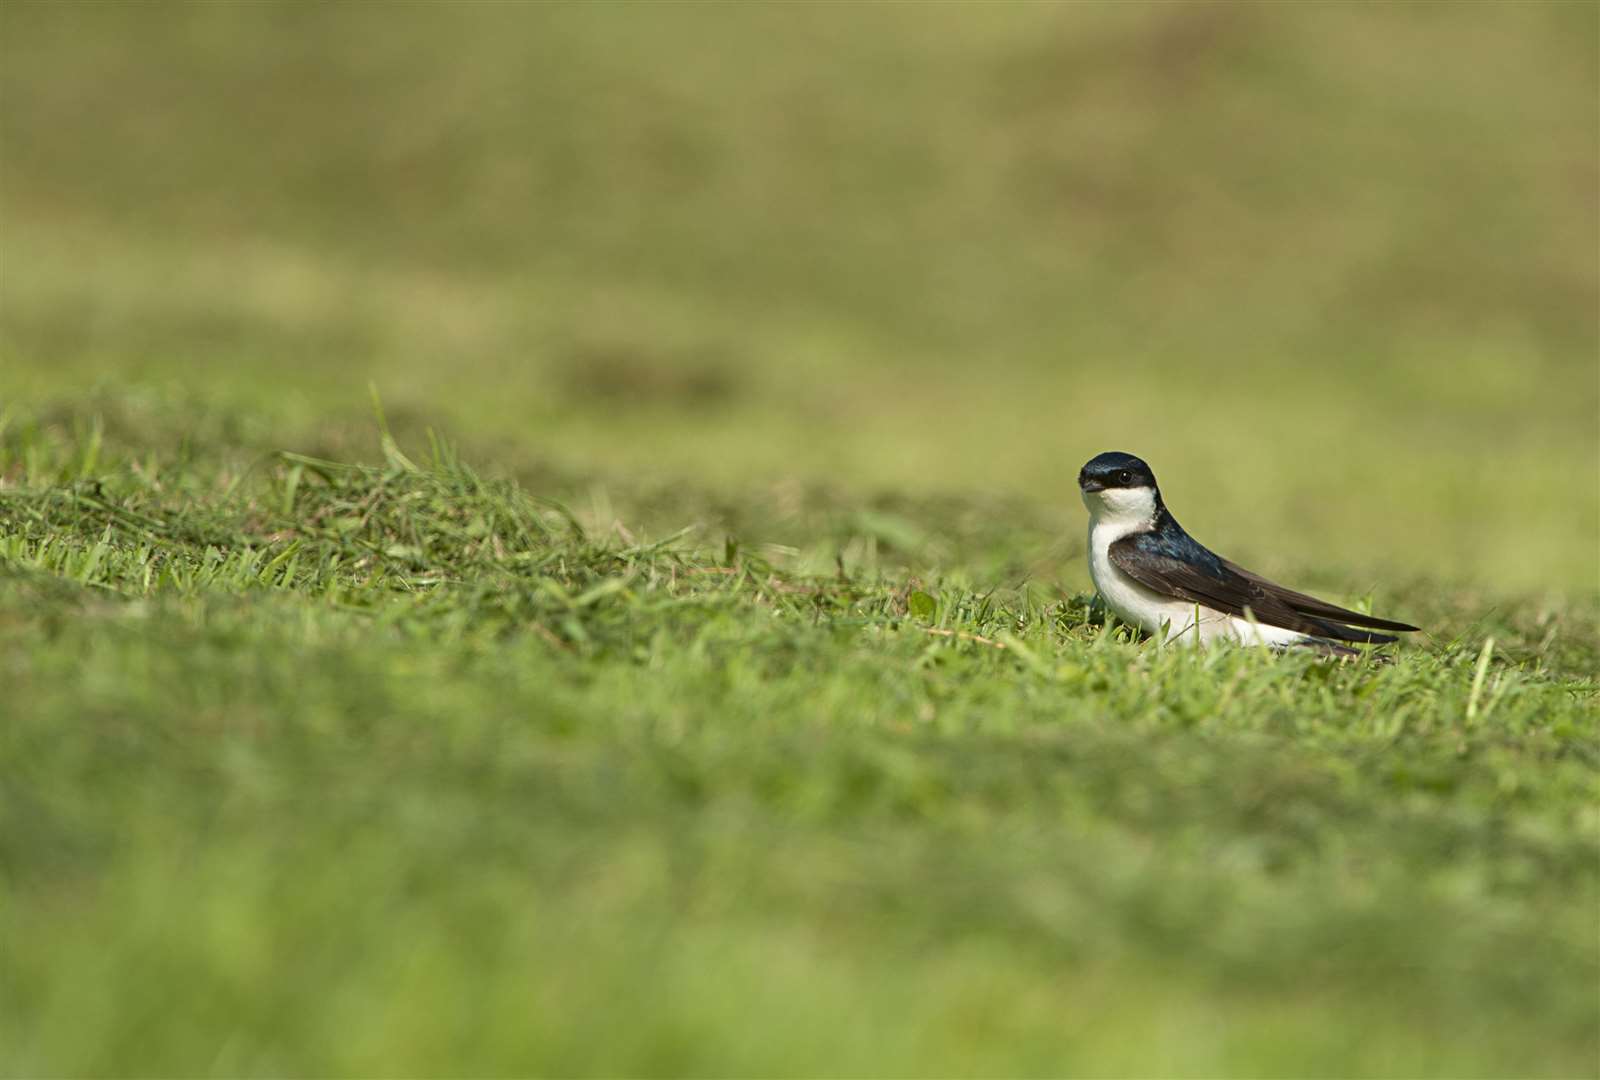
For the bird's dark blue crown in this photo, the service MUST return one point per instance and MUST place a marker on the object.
(1114, 469)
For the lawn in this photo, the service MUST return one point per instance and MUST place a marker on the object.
(542, 540)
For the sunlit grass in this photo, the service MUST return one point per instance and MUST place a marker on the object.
(689, 669)
(321, 767)
(1329, 271)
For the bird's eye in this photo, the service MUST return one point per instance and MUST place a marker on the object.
(1124, 477)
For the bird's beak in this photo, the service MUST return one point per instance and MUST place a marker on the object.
(1086, 485)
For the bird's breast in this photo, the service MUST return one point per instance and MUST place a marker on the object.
(1127, 599)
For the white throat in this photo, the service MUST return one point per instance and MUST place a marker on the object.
(1116, 512)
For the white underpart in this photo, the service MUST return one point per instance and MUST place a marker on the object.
(1117, 512)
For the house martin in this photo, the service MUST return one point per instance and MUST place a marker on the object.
(1153, 574)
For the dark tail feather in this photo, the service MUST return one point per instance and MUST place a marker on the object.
(1355, 617)
(1347, 633)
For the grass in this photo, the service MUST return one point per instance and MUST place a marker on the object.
(690, 669)
(321, 767)
(966, 253)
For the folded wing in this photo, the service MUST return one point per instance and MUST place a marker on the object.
(1310, 605)
(1172, 564)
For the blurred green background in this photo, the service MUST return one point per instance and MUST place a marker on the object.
(788, 271)
(1331, 268)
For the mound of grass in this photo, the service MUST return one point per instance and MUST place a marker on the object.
(327, 767)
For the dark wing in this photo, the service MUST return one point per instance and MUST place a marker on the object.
(1168, 561)
(1310, 605)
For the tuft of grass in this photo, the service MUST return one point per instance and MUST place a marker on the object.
(323, 766)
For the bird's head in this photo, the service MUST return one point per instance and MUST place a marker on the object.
(1119, 485)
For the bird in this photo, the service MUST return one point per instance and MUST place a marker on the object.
(1150, 572)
